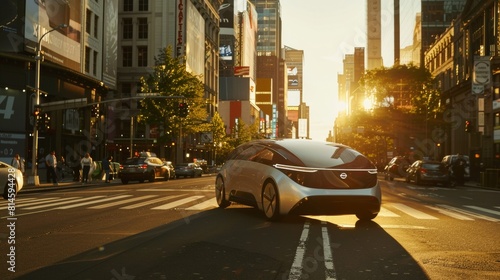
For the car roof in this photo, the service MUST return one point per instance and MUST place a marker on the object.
(314, 153)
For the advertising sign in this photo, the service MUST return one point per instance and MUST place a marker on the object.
(180, 30)
(63, 45)
(481, 77)
(12, 110)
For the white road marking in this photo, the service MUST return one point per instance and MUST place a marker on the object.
(74, 199)
(413, 212)
(133, 206)
(483, 209)
(469, 213)
(93, 202)
(111, 204)
(296, 270)
(204, 205)
(178, 202)
(387, 213)
(327, 254)
(451, 214)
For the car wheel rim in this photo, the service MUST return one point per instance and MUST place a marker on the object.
(269, 200)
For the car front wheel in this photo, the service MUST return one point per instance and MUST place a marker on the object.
(270, 201)
(220, 193)
(366, 216)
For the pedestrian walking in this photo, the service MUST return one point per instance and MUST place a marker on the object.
(86, 163)
(106, 166)
(51, 164)
(18, 163)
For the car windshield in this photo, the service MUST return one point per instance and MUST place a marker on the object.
(134, 161)
(432, 166)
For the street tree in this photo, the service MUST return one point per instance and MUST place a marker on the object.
(170, 78)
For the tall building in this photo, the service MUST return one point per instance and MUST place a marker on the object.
(437, 16)
(270, 63)
(77, 70)
(374, 34)
(190, 28)
(294, 60)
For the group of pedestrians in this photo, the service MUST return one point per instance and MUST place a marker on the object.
(81, 170)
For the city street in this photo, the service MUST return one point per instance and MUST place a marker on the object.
(174, 230)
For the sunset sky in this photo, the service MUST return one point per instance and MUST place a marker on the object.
(327, 30)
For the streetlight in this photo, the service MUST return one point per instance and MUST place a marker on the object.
(38, 58)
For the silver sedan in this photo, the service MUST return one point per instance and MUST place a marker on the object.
(295, 176)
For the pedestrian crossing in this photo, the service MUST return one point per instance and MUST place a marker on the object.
(190, 201)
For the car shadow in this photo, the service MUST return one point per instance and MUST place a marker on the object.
(238, 243)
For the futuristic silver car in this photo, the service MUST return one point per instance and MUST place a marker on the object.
(295, 176)
(11, 180)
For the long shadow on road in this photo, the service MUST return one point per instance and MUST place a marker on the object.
(237, 243)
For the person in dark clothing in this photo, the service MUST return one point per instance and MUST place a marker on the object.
(458, 169)
(106, 166)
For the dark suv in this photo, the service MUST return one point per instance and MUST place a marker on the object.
(144, 167)
(396, 168)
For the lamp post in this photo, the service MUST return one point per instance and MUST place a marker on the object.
(38, 57)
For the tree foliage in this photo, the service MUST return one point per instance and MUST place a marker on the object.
(406, 88)
(170, 79)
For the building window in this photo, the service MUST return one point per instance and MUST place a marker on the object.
(94, 64)
(87, 59)
(143, 28)
(127, 56)
(96, 26)
(142, 56)
(88, 21)
(128, 28)
(128, 5)
(143, 5)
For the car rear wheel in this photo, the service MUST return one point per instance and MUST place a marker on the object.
(270, 201)
(366, 216)
(220, 193)
(6, 190)
(124, 181)
(152, 177)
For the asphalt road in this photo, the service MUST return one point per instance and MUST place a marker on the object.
(173, 230)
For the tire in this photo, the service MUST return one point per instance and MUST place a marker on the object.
(270, 201)
(417, 180)
(124, 181)
(152, 177)
(6, 190)
(220, 193)
(366, 216)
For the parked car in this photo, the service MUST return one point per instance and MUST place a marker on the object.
(450, 160)
(422, 172)
(171, 169)
(188, 170)
(396, 168)
(298, 176)
(143, 168)
(10, 177)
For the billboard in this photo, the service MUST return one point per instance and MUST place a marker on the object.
(63, 45)
(12, 25)
(226, 14)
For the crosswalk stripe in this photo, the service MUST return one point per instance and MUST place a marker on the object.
(62, 202)
(133, 206)
(204, 205)
(94, 201)
(111, 204)
(483, 209)
(36, 202)
(469, 213)
(413, 212)
(450, 213)
(178, 202)
(387, 213)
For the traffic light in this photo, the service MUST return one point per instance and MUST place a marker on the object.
(37, 115)
(468, 126)
(183, 109)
